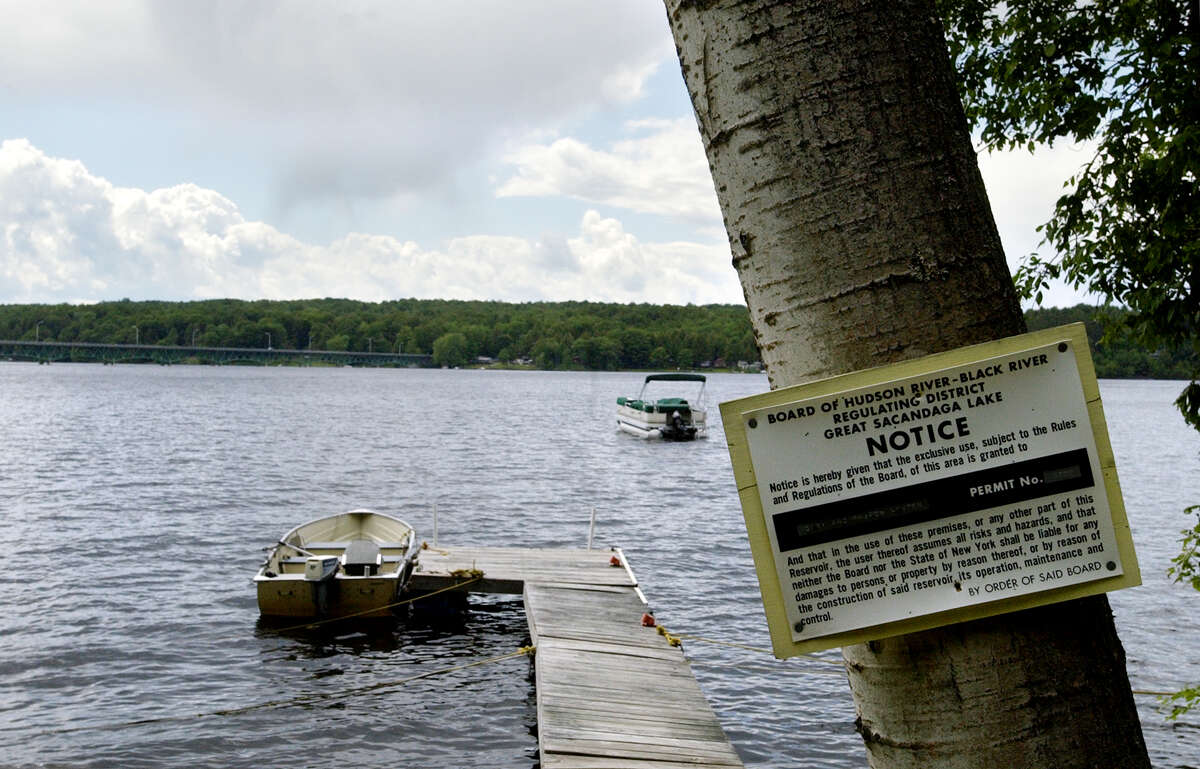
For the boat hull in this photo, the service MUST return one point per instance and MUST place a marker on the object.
(658, 425)
(289, 596)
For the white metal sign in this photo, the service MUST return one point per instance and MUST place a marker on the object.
(958, 487)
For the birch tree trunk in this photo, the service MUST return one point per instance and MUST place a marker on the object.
(862, 234)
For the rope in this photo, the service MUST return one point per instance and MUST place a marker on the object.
(745, 667)
(305, 625)
(675, 640)
(301, 700)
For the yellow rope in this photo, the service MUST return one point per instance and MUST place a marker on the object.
(671, 639)
(303, 699)
(675, 640)
(478, 576)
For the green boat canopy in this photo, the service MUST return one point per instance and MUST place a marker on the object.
(662, 405)
(675, 378)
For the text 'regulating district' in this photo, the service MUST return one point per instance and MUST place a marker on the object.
(959, 487)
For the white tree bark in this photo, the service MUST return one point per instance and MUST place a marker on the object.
(861, 231)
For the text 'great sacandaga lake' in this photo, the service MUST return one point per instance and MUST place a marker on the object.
(137, 501)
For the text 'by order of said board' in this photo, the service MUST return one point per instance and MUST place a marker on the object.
(930, 492)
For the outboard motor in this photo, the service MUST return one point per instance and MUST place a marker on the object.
(675, 428)
(319, 568)
(679, 427)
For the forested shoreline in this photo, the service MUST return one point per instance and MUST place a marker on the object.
(548, 335)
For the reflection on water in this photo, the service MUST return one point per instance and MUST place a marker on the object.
(137, 501)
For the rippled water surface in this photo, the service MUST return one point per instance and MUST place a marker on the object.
(136, 501)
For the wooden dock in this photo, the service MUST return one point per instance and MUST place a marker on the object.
(611, 694)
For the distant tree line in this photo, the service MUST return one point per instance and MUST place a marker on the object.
(1115, 352)
(548, 335)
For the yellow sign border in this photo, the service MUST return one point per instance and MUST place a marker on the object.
(760, 546)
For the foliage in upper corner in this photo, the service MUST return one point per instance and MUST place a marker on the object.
(1122, 76)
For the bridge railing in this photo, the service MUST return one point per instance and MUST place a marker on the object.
(117, 353)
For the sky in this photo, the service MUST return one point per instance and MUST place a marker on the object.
(540, 150)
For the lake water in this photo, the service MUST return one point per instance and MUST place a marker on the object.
(136, 501)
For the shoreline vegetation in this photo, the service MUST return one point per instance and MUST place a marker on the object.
(483, 334)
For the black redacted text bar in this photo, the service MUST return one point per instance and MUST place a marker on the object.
(932, 500)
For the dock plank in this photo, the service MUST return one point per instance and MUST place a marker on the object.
(568, 761)
(611, 693)
(587, 615)
(506, 570)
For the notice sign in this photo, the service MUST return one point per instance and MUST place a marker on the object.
(929, 492)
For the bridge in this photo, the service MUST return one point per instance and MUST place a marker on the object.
(93, 352)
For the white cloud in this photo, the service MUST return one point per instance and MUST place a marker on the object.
(351, 60)
(72, 236)
(56, 221)
(69, 235)
(663, 172)
(363, 99)
(627, 84)
(371, 116)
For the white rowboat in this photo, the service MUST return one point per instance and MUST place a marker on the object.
(350, 564)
